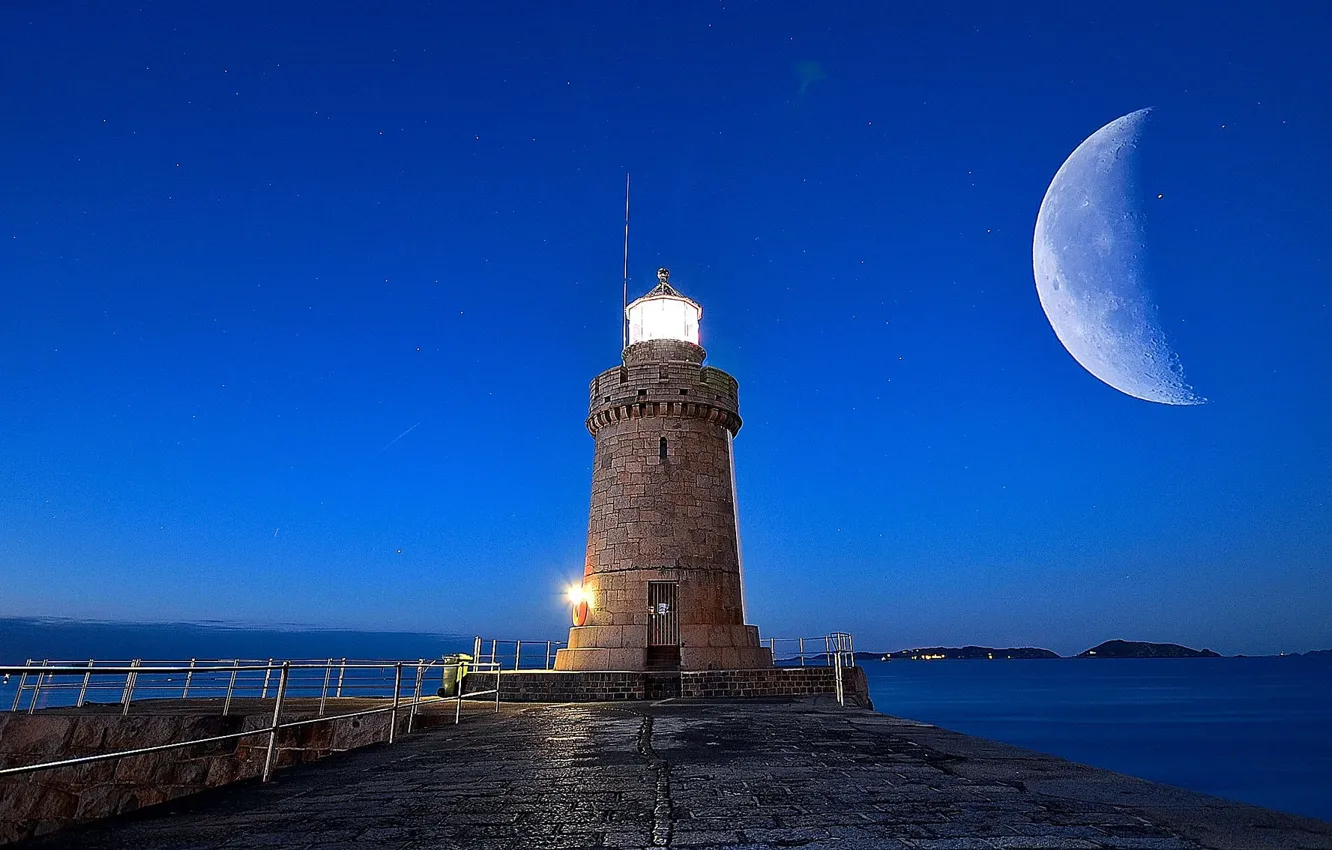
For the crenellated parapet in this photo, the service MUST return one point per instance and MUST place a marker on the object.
(648, 385)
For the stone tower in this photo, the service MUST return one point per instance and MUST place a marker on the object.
(661, 580)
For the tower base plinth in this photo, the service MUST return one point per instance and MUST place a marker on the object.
(702, 648)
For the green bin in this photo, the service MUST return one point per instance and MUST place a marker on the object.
(455, 669)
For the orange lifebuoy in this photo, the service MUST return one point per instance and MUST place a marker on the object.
(580, 613)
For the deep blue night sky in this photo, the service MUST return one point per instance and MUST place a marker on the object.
(300, 302)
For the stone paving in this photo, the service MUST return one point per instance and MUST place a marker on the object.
(737, 774)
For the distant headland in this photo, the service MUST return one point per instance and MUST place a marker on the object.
(1108, 649)
(1142, 649)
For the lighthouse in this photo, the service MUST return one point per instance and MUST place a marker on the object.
(661, 586)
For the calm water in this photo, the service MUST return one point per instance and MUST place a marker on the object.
(1252, 729)
(66, 640)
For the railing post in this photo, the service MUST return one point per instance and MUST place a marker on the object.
(23, 681)
(342, 671)
(323, 695)
(547, 667)
(837, 677)
(277, 713)
(267, 672)
(476, 648)
(189, 677)
(83, 689)
(458, 695)
(494, 644)
(802, 652)
(130, 678)
(517, 654)
(397, 687)
(231, 687)
(416, 694)
(37, 688)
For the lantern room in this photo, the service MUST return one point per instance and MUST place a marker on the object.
(663, 314)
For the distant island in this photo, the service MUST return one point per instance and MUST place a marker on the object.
(967, 653)
(1142, 649)
(1108, 649)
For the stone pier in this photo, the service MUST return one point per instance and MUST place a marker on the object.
(739, 774)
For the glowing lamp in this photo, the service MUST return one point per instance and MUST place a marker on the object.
(581, 601)
(663, 314)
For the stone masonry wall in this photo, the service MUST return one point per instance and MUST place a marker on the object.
(551, 686)
(650, 512)
(657, 350)
(48, 800)
(585, 686)
(779, 681)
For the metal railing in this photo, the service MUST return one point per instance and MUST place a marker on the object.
(820, 651)
(201, 678)
(509, 654)
(294, 679)
(835, 649)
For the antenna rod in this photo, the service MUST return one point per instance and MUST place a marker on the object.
(624, 309)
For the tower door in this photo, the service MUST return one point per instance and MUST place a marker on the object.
(663, 613)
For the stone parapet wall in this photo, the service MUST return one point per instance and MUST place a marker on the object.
(617, 685)
(776, 681)
(47, 800)
(558, 686)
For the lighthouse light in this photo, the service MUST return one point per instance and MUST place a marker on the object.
(663, 317)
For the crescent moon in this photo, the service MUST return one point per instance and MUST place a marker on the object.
(1087, 256)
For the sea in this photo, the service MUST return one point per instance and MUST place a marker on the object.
(1257, 730)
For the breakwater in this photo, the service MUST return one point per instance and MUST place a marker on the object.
(699, 773)
(236, 738)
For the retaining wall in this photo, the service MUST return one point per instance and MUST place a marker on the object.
(47, 800)
(614, 685)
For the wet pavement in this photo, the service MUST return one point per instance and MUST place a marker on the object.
(736, 774)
